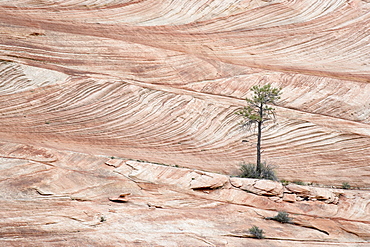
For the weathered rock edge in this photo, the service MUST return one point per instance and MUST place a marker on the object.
(197, 180)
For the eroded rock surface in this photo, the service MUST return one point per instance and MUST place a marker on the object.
(78, 199)
(83, 81)
(160, 81)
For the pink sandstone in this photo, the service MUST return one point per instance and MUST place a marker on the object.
(159, 81)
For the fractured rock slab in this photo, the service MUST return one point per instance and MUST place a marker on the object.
(298, 189)
(289, 197)
(259, 187)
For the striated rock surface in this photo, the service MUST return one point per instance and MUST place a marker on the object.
(159, 81)
(79, 200)
(89, 86)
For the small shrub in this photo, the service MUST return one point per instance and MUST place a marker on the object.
(346, 186)
(299, 182)
(282, 217)
(256, 232)
(284, 182)
(250, 171)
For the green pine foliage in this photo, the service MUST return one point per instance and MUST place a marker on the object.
(282, 217)
(258, 109)
(256, 232)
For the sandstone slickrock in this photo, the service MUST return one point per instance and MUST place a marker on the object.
(85, 80)
(322, 194)
(290, 197)
(299, 189)
(183, 177)
(106, 62)
(260, 187)
(70, 197)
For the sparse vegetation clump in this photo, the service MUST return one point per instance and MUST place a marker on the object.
(346, 186)
(299, 182)
(284, 182)
(250, 171)
(256, 232)
(282, 217)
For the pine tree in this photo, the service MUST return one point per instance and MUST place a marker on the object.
(258, 111)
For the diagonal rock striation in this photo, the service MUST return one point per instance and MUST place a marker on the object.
(159, 81)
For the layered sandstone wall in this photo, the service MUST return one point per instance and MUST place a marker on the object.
(159, 81)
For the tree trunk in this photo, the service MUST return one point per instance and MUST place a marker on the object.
(259, 166)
